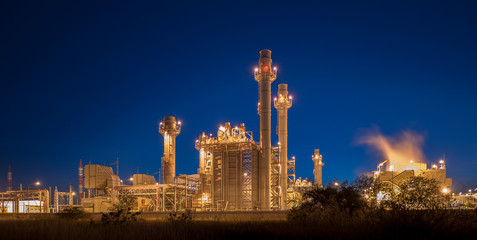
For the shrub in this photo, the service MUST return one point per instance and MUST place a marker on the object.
(343, 199)
(417, 193)
(181, 217)
(71, 212)
(120, 216)
(121, 211)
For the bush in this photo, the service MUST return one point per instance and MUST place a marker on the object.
(121, 211)
(120, 216)
(180, 217)
(417, 193)
(342, 199)
(71, 212)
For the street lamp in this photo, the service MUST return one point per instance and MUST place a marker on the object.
(37, 183)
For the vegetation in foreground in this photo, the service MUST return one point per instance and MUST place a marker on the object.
(456, 224)
(346, 211)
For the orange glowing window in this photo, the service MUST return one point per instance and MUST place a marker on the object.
(265, 68)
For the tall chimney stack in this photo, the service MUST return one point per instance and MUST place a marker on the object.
(264, 75)
(318, 168)
(282, 103)
(169, 128)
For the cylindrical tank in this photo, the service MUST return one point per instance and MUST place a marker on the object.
(264, 76)
(169, 128)
(282, 104)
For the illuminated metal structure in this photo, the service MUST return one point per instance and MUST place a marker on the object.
(264, 75)
(235, 172)
(169, 129)
(62, 200)
(318, 168)
(162, 197)
(293, 197)
(394, 174)
(229, 169)
(25, 201)
(275, 172)
(282, 103)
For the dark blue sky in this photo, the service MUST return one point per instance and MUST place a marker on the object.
(92, 81)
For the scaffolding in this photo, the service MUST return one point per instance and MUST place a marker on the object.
(29, 201)
(61, 200)
(228, 169)
(247, 179)
(292, 196)
(159, 197)
(275, 169)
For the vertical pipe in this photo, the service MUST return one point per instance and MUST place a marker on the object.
(282, 103)
(265, 76)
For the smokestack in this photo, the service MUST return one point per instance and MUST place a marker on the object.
(169, 129)
(318, 168)
(282, 103)
(80, 181)
(265, 76)
(10, 178)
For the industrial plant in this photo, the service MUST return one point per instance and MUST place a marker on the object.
(235, 172)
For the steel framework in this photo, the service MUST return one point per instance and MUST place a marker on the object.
(275, 169)
(17, 197)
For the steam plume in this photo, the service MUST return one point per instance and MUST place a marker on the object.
(400, 149)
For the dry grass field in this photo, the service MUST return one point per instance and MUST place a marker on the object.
(326, 225)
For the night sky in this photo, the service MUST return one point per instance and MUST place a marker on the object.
(93, 80)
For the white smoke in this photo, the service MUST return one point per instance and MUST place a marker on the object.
(402, 148)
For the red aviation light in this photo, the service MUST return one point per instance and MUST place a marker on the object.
(265, 68)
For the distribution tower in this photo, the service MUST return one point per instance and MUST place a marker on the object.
(169, 128)
(265, 76)
(282, 103)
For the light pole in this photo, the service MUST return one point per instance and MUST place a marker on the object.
(37, 183)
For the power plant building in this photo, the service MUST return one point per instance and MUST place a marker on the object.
(395, 174)
(234, 173)
(229, 169)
